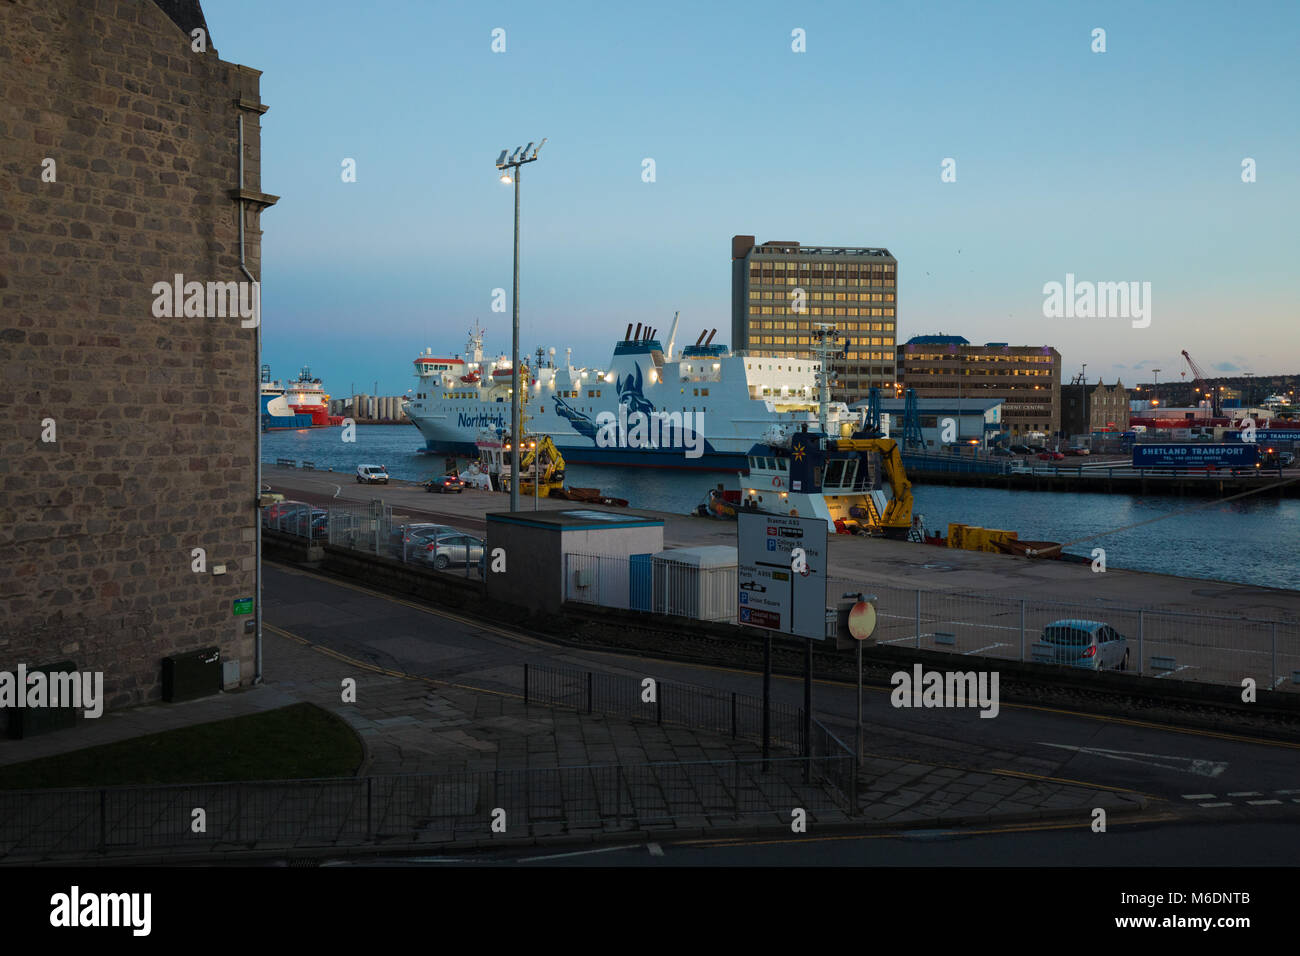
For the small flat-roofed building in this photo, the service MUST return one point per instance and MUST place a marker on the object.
(537, 547)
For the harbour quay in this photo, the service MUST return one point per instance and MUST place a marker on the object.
(874, 562)
(1107, 476)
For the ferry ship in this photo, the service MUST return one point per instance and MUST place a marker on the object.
(706, 406)
(301, 403)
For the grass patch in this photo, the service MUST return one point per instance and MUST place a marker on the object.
(289, 743)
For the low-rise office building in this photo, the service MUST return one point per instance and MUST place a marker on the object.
(1026, 379)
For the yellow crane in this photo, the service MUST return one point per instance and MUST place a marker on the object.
(897, 519)
(542, 458)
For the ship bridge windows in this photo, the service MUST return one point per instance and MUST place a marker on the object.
(840, 473)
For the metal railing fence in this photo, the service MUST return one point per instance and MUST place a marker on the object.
(401, 808)
(643, 583)
(1161, 643)
(727, 713)
(374, 529)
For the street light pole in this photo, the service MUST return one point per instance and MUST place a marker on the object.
(515, 393)
(515, 162)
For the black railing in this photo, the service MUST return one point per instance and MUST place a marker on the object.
(686, 705)
(400, 809)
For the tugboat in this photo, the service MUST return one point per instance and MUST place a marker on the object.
(838, 478)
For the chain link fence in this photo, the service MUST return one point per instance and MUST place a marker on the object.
(1218, 649)
(1160, 643)
(374, 529)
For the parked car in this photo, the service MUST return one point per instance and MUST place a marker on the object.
(320, 523)
(448, 549)
(1051, 456)
(445, 484)
(1078, 450)
(1092, 645)
(408, 539)
(372, 474)
(1287, 459)
(1036, 449)
(289, 516)
(1022, 449)
(1001, 452)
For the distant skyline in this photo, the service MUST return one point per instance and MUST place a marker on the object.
(1122, 166)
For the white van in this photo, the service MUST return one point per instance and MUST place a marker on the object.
(371, 474)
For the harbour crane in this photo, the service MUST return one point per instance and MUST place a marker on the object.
(1199, 378)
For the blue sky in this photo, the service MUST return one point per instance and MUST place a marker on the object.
(1115, 166)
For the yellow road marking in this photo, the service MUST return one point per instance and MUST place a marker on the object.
(1013, 828)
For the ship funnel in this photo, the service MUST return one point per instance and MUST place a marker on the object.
(711, 335)
(628, 336)
(701, 338)
(638, 330)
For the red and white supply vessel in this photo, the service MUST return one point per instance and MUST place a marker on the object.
(303, 396)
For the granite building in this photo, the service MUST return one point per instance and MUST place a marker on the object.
(128, 443)
(1094, 408)
(781, 290)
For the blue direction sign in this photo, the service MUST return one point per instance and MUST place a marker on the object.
(1195, 455)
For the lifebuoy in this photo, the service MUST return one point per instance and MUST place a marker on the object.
(776, 482)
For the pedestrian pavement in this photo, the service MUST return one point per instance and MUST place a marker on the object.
(422, 726)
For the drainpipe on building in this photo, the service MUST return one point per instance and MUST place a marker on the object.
(257, 427)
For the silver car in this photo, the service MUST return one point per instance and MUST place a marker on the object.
(407, 542)
(448, 549)
(1087, 644)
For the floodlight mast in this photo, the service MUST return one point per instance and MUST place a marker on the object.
(517, 159)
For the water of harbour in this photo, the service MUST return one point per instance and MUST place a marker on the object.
(1249, 541)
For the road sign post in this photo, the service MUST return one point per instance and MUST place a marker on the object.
(767, 699)
(859, 623)
(807, 706)
(781, 587)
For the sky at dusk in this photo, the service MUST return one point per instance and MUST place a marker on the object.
(1122, 166)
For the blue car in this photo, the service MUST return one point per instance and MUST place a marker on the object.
(1092, 645)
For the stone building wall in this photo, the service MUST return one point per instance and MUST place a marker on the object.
(154, 417)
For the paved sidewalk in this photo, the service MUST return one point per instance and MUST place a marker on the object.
(412, 726)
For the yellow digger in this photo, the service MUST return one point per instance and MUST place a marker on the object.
(540, 457)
